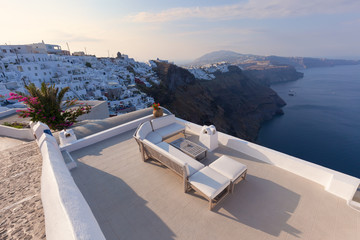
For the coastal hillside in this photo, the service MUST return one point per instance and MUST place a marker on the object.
(233, 102)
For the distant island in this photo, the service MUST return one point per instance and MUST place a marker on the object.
(248, 60)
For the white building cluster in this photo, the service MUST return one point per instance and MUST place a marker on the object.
(89, 77)
(205, 72)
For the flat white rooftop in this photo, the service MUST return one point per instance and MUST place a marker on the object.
(132, 199)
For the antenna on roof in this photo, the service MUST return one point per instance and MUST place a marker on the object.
(68, 47)
(85, 51)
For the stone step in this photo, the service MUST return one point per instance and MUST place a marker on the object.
(69, 161)
(14, 155)
(22, 146)
(19, 167)
(18, 149)
(19, 187)
(356, 197)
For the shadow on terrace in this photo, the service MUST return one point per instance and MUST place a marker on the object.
(120, 212)
(132, 199)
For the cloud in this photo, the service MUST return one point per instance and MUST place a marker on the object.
(83, 39)
(221, 31)
(253, 9)
(352, 22)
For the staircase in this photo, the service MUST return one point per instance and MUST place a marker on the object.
(355, 203)
(21, 211)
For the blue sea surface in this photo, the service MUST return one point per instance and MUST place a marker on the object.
(321, 123)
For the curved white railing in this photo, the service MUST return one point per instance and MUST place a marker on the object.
(337, 183)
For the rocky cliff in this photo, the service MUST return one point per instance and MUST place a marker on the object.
(233, 102)
(272, 74)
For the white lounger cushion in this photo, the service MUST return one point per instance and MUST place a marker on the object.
(228, 167)
(167, 126)
(164, 152)
(193, 165)
(209, 182)
(144, 130)
(154, 137)
(163, 121)
(170, 130)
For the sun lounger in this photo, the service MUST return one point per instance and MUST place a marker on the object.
(230, 168)
(208, 182)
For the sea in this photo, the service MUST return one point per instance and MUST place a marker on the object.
(321, 123)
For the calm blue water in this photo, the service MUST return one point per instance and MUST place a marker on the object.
(321, 123)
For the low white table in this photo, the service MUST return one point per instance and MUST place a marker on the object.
(192, 149)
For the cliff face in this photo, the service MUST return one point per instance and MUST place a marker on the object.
(234, 103)
(273, 74)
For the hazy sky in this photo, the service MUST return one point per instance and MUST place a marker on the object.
(184, 30)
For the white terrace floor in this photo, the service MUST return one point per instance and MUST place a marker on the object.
(132, 199)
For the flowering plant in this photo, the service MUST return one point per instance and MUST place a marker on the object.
(156, 106)
(46, 105)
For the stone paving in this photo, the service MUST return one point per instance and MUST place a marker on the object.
(21, 211)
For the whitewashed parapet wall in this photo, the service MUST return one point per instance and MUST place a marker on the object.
(67, 214)
(99, 110)
(7, 111)
(100, 136)
(337, 183)
(24, 134)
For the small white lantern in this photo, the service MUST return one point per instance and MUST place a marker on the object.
(66, 137)
(209, 137)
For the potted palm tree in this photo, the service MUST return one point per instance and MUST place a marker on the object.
(46, 105)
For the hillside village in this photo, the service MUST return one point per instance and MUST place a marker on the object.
(89, 78)
(102, 78)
